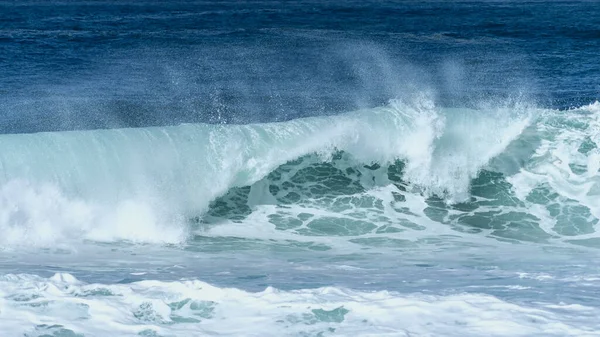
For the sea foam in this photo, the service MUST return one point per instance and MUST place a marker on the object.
(62, 305)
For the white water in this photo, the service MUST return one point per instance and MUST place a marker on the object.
(61, 305)
(567, 162)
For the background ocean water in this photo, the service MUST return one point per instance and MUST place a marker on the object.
(274, 168)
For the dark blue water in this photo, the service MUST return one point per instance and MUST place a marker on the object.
(102, 64)
(449, 184)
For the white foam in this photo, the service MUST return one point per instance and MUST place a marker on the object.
(554, 163)
(41, 216)
(449, 147)
(33, 305)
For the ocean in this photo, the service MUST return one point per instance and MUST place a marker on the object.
(299, 168)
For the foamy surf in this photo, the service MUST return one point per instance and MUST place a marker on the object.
(299, 168)
(245, 216)
(64, 306)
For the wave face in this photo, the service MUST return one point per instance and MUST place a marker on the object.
(511, 172)
(158, 176)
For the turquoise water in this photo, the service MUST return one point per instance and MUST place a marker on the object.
(267, 168)
(345, 228)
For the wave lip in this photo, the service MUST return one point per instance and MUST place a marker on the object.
(202, 161)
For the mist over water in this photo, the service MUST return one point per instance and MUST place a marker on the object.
(94, 65)
(299, 169)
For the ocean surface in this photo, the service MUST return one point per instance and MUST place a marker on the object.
(299, 168)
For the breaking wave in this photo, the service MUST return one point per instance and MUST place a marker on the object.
(144, 185)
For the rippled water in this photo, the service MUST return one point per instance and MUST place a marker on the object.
(299, 169)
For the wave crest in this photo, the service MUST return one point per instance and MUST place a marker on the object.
(152, 176)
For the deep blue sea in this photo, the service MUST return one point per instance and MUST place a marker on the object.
(299, 168)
